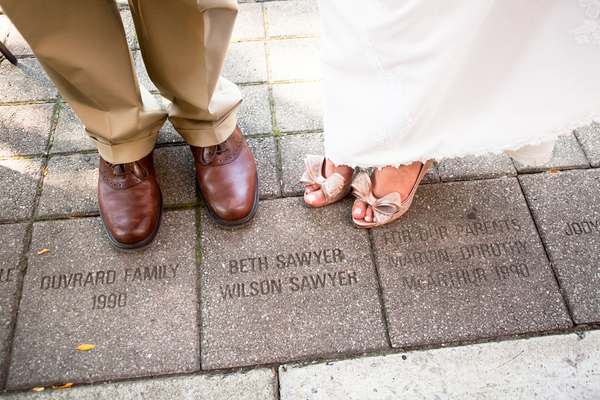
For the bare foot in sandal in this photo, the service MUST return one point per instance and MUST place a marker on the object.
(315, 196)
(388, 180)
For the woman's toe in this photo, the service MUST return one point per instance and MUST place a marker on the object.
(314, 198)
(369, 214)
(311, 188)
(358, 210)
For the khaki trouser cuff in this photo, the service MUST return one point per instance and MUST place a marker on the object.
(210, 136)
(126, 152)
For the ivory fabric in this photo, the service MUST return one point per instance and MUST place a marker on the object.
(411, 80)
(83, 48)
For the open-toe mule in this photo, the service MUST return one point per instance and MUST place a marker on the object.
(334, 188)
(388, 208)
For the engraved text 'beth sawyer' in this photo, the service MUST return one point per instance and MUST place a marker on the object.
(283, 261)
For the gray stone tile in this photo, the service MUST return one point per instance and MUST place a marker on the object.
(254, 115)
(176, 174)
(25, 82)
(70, 135)
(567, 155)
(70, 186)
(293, 150)
(566, 206)
(25, 130)
(265, 155)
(589, 138)
(249, 23)
(297, 283)
(551, 367)
(295, 59)
(11, 250)
(299, 106)
(17, 44)
(168, 134)
(293, 18)
(140, 70)
(491, 165)
(19, 181)
(464, 263)
(246, 62)
(138, 309)
(258, 384)
(129, 29)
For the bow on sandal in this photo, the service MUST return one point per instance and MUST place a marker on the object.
(334, 188)
(388, 208)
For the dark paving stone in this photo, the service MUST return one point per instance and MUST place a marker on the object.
(589, 138)
(11, 249)
(19, 181)
(259, 303)
(567, 155)
(293, 150)
(25, 82)
(476, 167)
(70, 135)
(25, 130)
(298, 106)
(265, 155)
(70, 186)
(465, 262)
(565, 207)
(140, 314)
(176, 174)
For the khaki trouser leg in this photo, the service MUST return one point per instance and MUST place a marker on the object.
(183, 43)
(83, 48)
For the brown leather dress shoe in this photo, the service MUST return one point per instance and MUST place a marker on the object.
(228, 180)
(130, 202)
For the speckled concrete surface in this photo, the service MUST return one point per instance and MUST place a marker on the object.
(176, 174)
(19, 181)
(70, 135)
(138, 309)
(11, 251)
(566, 208)
(259, 384)
(25, 130)
(293, 150)
(567, 155)
(305, 289)
(589, 138)
(25, 82)
(492, 165)
(265, 156)
(465, 262)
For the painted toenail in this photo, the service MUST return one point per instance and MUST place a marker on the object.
(368, 219)
(357, 211)
(311, 197)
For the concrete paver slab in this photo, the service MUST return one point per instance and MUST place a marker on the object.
(140, 70)
(254, 115)
(168, 134)
(551, 367)
(258, 384)
(293, 150)
(11, 250)
(25, 130)
(465, 262)
(176, 174)
(249, 23)
(565, 207)
(476, 167)
(70, 135)
(19, 180)
(138, 309)
(567, 155)
(293, 18)
(589, 138)
(246, 62)
(298, 106)
(265, 155)
(70, 186)
(306, 289)
(25, 82)
(295, 59)
(129, 29)
(17, 44)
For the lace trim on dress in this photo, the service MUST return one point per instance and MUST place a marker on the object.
(389, 99)
(482, 151)
(590, 29)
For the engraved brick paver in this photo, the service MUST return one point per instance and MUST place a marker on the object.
(25, 82)
(476, 167)
(296, 283)
(11, 250)
(25, 130)
(138, 309)
(565, 207)
(465, 262)
(19, 180)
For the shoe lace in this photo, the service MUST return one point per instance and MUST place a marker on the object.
(208, 155)
(125, 169)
